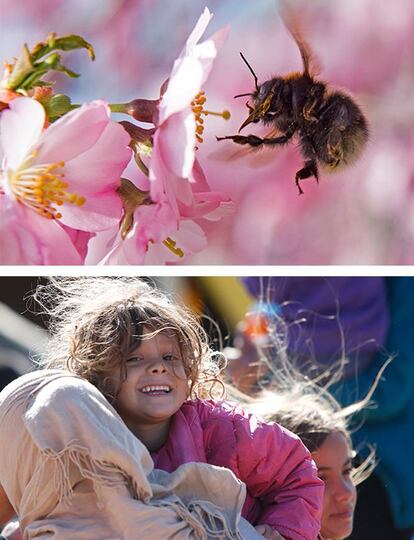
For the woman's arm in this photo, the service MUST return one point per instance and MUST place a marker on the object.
(6, 509)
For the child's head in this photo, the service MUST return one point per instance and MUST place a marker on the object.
(98, 325)
(317, 420)
(310, 411)
(155, 385)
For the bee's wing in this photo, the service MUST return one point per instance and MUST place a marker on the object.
(293, 23)
(255, 156)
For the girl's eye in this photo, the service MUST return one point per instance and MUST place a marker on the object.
(169, 357)
(347, 472)
(133, 360)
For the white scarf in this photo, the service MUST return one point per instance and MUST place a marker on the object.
(73, 471)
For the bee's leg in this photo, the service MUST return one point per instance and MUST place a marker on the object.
(316, 94)
(337, 120)
(310, 169)
(253, 140)
(308, 110)
(334, 146)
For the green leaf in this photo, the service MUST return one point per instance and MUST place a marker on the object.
(32, 65)
(21, 69)
(67, 71)
(65, 43)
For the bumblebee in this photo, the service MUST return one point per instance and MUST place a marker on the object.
(331, 128)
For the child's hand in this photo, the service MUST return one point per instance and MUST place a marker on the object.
(269, 532)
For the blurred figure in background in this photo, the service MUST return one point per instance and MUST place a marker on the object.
(343, 325)
(307, 409)
(20, 339)
(7, 375)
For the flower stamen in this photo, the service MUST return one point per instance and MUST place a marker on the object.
(171, 245)
(197, 106)
(41, 187)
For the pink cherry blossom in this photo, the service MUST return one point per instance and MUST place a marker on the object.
(63, 176)
(171, 170)
(138, 247)
(164, 230)
(155, 236)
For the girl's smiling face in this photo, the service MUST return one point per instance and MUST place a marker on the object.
(156, 384)
(333, 460)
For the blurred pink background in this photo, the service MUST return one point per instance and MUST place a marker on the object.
(363, 215)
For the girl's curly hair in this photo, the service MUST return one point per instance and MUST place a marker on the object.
(95, 323)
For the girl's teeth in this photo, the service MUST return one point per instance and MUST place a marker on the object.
(148, 389)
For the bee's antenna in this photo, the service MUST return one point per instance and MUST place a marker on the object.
(251, 71)
(242, 95)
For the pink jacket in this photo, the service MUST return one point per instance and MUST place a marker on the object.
(283, 489)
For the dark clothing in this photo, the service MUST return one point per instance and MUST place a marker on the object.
(372, 518)
(329, 317)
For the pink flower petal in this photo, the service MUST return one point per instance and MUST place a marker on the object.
(20, 127)
(209, 205)
(126, 251)
(166, 187)
(27, 238)
(94, 172)
(187, 74)
(155, 222)
(99, 212)
(185, 82)
(102, 246)
(189, 237)
(179, 127)
(17, 242)
(152, 224)
(191, 69)
(198, 31)
(79, 239)
(74, 133)
(101, 165)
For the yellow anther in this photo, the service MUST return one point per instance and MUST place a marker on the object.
(171, 245)
(40, 187)
(198, 110)
(225, 114)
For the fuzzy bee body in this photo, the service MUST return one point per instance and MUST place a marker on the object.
(331, 128)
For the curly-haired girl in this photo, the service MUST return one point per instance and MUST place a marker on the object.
(151, 360)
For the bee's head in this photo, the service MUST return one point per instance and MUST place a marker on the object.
(265, 104)
(265, 99)
(262, 100)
